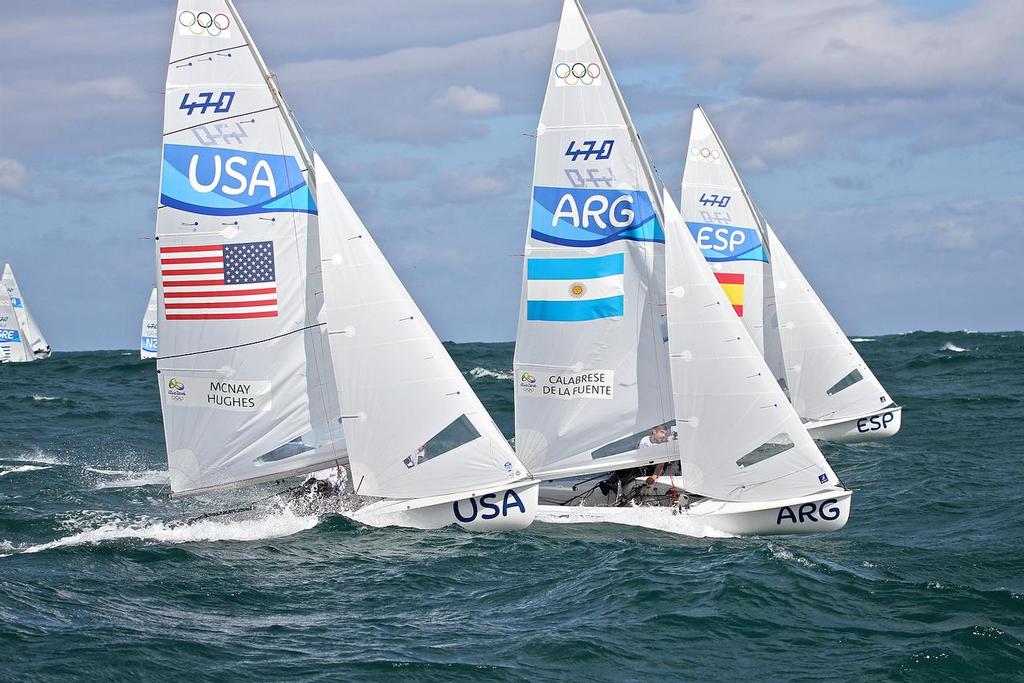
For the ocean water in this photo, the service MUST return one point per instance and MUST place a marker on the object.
(925, 583)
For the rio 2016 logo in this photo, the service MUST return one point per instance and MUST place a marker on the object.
(176, 389)
(229, 182)
(527, 382)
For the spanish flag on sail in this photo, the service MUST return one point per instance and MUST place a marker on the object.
(732, 285)
(575, 289)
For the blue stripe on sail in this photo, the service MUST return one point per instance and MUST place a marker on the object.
(574, 268)
(571, 311)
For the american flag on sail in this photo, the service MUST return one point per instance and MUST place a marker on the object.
(219, 281)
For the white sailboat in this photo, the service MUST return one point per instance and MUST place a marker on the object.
(832, 389)
(275, 358)
(149, 343)
(34, 335)
(606, 368)
(14, 346)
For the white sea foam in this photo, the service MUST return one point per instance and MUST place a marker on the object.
(40, 397)
(861, 340)
(484, 372)
(13, 469)
(130, 479)
(284, 523)
(38, 456)
(950, 346)
(780, 553)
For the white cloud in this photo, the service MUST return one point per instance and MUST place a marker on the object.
(466, 99)
(13, 176)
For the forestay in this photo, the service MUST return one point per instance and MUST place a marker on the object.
(246, 380)
(739, 437)
(33, 335)
(414, 427)
(591, 374)
(725, 224)
(149, 344)
(827, 377)
(14, 346)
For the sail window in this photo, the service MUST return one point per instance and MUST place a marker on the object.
(656, 435)
(847, 381)
(288, 450)
(460, 431)
(780, 443)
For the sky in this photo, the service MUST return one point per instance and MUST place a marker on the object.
(882, 139)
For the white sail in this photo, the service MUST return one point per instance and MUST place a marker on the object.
(245, 373)
(413, 426)
(725, 224)
(827, 378)
(34, 335)
(739, 438)
(149, 343)
(591, 366)
(14, 345)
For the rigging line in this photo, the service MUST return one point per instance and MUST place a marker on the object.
(238, 346)
(224, 118)
(200, 54)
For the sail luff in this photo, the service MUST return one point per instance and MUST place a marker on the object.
(652, 180)
(275, 92)
(739, 180)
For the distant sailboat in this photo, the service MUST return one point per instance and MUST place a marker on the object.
(831, 387)
(608, 367)
(34, 336)
(149, 343)
(14, 346)
(287, 343)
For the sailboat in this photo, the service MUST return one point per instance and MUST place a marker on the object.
(14, 346)
(34, 336)
(833, 390)
(628, 353)
(287, 343)
(149, 343)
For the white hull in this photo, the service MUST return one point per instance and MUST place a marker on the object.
(818, 513)
(503, 510)
(870, 427)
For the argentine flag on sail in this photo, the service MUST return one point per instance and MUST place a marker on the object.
(574, 289)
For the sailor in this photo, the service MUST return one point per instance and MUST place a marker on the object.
(659, 435)
(331, 481)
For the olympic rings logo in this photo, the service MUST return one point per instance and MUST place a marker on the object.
(705, 153)
(204, 23)
(577, 73)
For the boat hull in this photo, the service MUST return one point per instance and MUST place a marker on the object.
(871, 427)
(502, 510)
(819, 513)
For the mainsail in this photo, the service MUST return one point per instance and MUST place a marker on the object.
(14, 345)
(591, 364)
(730, 234)
(29, 328)
(149, 342)
(245, 373)
(828, 379)
(413, 426)
(739, 438)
